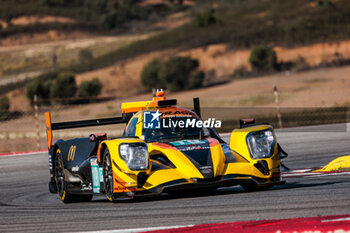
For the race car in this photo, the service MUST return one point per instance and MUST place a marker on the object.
(164, 149)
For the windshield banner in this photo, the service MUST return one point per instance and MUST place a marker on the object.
(153, 120)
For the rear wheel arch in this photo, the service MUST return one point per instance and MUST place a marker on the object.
(53, 157)
(61, 187)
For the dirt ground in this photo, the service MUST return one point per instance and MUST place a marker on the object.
(326, 87)
(170, 22)
(218, 61)
(317, 88)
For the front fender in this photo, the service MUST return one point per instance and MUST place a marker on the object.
(124, 178)
(238, 143)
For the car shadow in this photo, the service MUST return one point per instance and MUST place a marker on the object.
(221, 191)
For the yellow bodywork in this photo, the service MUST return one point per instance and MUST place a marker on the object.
(239, 145)
(184, 171)
(338, 164)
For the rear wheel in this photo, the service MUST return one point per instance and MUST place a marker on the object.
(107, 174)
(61, 184)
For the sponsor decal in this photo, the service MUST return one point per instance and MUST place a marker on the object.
(189, 145)
(151, 120)
(96, 175)
(71, 152)
(188, 142)
(177, 113)
(179, 119)
(190, 148)
(191, 123)
(206, 170)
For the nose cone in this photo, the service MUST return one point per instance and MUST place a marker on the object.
(199, 152)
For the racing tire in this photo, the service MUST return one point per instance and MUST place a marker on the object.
(107, 175)
(61, 184)
(254, 187)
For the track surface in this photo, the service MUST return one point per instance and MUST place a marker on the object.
(26, 205)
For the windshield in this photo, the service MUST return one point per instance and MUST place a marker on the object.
(172, 130)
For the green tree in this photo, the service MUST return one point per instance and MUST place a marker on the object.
(150, 75)
(4, 104)
(39, 88)
(176, 73)
(124, 11)
(109, 20)
(205, 18)
(4, 108)
(90, 88)
(196, 79)
(96, 5)
(64, 86)
(7, 15)
(323, 3)
(263, 58)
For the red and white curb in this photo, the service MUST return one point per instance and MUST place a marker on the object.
(325, 224)
(23, 153)
(144, 229)
(310, 173)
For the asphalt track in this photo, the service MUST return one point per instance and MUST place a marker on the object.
(27, 206)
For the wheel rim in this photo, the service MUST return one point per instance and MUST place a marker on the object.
(107, 174)
(59, 175)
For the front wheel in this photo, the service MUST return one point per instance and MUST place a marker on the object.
(107, 174)
(61, 184)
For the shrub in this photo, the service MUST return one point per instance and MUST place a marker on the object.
(263, 58)
(323, 3)
(176, 73)
(4, 104)
(96, 5)
(196, 79)
(62, 2)
(90, 88)
(204, 19)
(6, 14)
(150, 75)
(64, 86)
(39, 88)
(125, 11)
(241, 72)
(109, 20)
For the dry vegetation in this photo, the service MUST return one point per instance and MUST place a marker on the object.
(218, 61)
(221, 49)
(316, 88)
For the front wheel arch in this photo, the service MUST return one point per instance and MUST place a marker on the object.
(101, 150)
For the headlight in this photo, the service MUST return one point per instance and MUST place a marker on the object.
(135, 155)
(261, 144)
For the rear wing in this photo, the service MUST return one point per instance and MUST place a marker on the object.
(128, 109)
(78, 124)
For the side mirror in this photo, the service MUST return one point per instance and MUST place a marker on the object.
(246, 122)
